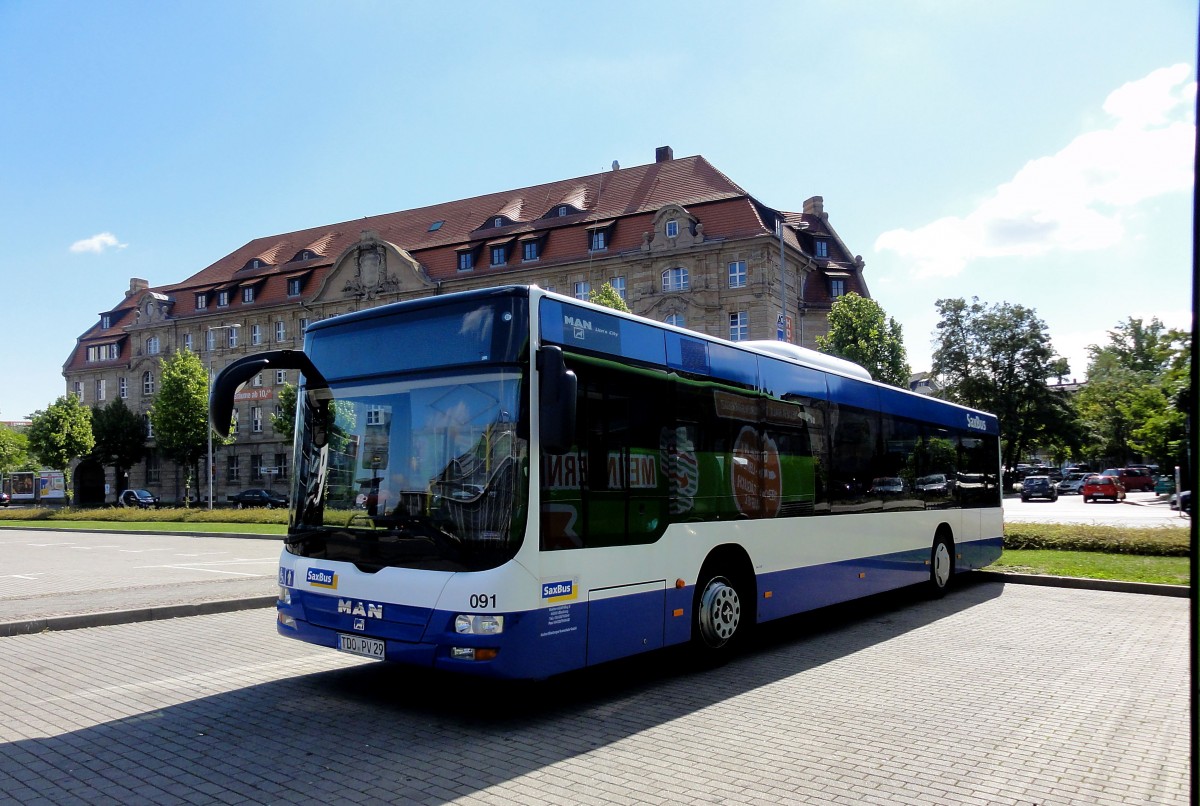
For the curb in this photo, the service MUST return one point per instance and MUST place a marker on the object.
(114, 617)
(1079, 583)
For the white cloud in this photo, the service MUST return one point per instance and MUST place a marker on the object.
(1077, 199)
(98, 243)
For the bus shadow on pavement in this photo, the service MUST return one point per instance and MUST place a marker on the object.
(774, 651)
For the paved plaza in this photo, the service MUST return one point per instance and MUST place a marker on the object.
(996, 694)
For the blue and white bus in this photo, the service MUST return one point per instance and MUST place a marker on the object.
(514, 483)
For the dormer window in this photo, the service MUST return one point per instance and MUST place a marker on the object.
(106, 321)
(248, 294)
(822, 248)
(597, 240)
(293, 287)
(529, 250)
(562, 211)
(499, 255)
(304, 254)
(466, 261)
(837, 288)
(497, 222)
(201, 301)
(222, 299)
(672, 228)
(254, 263)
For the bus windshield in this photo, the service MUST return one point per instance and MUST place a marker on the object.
(419, 473)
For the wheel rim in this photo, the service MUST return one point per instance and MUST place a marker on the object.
(941, 564)
(720, 612)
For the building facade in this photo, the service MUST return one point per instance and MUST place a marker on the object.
(676, 238)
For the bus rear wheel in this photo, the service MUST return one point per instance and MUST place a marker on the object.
(941, 565)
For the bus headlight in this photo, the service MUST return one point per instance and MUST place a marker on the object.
(478, 625)
(285, 595)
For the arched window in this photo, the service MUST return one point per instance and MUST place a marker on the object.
(675, 279)
(675, 319)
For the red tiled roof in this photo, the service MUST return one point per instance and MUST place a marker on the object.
(627, 199)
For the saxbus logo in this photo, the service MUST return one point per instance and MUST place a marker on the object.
(977, 423)
(321, 578)
(564, 591)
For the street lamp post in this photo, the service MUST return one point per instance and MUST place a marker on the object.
(211, 345)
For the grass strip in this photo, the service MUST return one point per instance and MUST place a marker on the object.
(151, 526)
(1095, 565)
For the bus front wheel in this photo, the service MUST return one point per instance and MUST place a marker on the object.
(719, 613)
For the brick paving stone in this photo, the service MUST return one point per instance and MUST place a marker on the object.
(995, 694)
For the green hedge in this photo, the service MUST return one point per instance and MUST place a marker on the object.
(1160, 541)
(162, 515)
(1163, 541)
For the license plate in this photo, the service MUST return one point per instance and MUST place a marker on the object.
(361, 645)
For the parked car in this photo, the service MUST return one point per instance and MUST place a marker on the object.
(935, 484)
(1071, 484)
(887, 486)
(1096, 487)
(143, 499)
(1182, 501)
(258, 498)
(1038, 487)
(1131, 478)
(4, 499)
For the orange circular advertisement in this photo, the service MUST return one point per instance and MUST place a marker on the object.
(756, 478)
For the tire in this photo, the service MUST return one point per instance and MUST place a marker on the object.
(719, 612)
(1086, 500)
(941, 566)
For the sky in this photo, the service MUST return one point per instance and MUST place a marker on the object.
(1031, 153)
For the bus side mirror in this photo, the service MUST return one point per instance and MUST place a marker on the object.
(557, 401)
(220, 399)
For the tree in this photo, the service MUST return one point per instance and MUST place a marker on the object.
(180, 413)
(14, 449)
(999, 359)
(284, 423)
(607, 296)
(1131, 404)
(120, 435)
(61, 434)
(861, 332)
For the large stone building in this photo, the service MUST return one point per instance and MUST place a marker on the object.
(677, 238)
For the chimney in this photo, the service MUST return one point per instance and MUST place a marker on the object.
(815, 206)
(136, 284)
(663, 154)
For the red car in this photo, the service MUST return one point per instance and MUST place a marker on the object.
(1132, 478)
(1096, 487)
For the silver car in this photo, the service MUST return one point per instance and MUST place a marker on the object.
(1072, 483)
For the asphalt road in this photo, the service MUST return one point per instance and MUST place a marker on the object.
(49, 575)
(1138, 510)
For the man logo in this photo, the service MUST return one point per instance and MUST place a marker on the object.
(349, 607)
